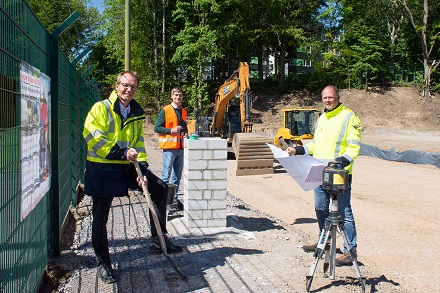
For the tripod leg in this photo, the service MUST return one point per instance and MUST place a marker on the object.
(326, 261)
(333, 252)
(353, 256)
(319, 251)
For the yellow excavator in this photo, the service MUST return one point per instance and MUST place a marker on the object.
(231, 120)
(298, 126)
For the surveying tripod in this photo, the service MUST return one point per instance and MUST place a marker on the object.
(334, 180)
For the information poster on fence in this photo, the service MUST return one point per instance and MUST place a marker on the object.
(35, 144)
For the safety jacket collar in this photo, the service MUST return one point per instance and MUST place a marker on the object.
(335, 111)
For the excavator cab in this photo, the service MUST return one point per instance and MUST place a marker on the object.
(233, 121)
(298, 126)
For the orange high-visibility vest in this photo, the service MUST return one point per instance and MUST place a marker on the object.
(171, 141)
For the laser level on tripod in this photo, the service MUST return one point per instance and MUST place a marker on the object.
(334, 180)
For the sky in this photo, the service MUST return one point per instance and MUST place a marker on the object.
(98, 4)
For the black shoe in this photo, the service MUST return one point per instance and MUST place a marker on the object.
(107, 274)
(179, 205)
(173, 208)
(176, 207)
(155, 247)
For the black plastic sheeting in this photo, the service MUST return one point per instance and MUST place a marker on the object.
(409, 156)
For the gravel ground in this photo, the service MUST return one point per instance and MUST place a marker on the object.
(254, 253)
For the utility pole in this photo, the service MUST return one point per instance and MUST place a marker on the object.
(127, 34)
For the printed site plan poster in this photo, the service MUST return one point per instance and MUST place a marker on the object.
(35, 144)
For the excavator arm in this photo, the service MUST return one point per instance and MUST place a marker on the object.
(233, 123)
(237, 86)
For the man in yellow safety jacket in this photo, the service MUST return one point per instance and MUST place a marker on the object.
(113, 131)
(337, 137)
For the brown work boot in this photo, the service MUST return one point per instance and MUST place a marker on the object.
(343, 260)
(310, 247)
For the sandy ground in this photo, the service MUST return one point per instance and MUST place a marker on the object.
(395, 206)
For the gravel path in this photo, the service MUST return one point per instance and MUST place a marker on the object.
(254, 253)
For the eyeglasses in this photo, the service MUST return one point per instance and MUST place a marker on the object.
(127, 85)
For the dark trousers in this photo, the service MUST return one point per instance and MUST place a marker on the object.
(100, 211)
(101, 207)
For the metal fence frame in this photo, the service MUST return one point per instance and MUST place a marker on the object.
(27, 245)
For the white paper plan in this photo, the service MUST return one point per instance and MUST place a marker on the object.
(304, 169)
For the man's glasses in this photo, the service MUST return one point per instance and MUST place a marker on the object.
(127, 85)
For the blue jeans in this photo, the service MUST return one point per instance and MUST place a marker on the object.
(172, 166)
(322, 201)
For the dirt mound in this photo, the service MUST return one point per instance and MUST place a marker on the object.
(393, 117)
(395, 108)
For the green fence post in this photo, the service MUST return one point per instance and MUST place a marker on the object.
(83, 76)
(55, 185)
(74, 158)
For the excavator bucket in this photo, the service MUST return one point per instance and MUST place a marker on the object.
(252, 153)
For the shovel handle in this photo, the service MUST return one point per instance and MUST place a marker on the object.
(152, 208)
(156, 220)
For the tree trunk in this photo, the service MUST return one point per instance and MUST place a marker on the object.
(422, 34)
(260, 64)
(366, 80)
(165, 3)
(282, 61)
(156, 57)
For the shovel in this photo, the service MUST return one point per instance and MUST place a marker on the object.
(156, 220)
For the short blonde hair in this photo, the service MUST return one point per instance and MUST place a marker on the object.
(132, 73)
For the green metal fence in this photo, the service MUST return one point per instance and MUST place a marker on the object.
(27, 243)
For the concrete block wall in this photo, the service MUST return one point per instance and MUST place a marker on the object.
(205, 182)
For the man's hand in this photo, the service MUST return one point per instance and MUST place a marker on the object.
(176, 130)
(140, 182)
(132, 155)
(291, 151)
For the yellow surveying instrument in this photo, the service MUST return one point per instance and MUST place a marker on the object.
(334, 180)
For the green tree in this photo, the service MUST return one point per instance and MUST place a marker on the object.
(362, 53)
(428, 33)
(81, 35)
(296, 22)
(198, 44)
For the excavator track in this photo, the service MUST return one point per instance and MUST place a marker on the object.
(252, 153)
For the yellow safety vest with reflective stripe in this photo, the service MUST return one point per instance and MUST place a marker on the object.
(170, 141)
(337, 134)
(105, 130)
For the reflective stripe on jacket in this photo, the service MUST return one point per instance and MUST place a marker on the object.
(108, 136)
(171, 141)
(337, 134)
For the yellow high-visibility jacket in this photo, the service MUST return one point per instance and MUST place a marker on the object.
(108, 136)
(337, 134)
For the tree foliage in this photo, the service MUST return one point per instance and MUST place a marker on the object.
(81, 35)
(197, 44)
